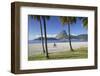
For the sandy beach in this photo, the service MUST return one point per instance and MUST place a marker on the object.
(37, 48)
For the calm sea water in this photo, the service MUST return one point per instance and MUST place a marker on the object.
(55, 41)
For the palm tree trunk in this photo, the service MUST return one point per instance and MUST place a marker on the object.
(45, 35)
(42, 38)
(70, 38)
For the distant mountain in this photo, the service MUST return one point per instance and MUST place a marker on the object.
(50, 38)
(83, 37)
(62, 35)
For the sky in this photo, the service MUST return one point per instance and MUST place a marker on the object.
(54, 27)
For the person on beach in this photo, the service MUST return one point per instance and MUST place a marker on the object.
(54, 44)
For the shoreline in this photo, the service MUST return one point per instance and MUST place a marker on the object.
(55, 42)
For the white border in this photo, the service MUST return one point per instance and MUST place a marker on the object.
(25, 64)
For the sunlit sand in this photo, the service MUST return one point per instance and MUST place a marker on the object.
(37, 48)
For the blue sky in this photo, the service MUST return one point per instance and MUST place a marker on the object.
(54, 27)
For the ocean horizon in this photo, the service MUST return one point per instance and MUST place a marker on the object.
(54, 41)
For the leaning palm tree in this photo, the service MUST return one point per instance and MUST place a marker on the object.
(68, 21)
(38, 18)
(44, 18)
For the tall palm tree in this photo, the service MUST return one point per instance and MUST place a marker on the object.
(38, 18)
(44, 18)
(68, 21)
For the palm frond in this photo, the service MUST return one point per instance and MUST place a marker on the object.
(85, 21)
(68, 20)
(36, 17)
(47, 17)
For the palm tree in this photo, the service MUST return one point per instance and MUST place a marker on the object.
(68, 21)
(38, 18)
(84, 21)
(44, 18)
